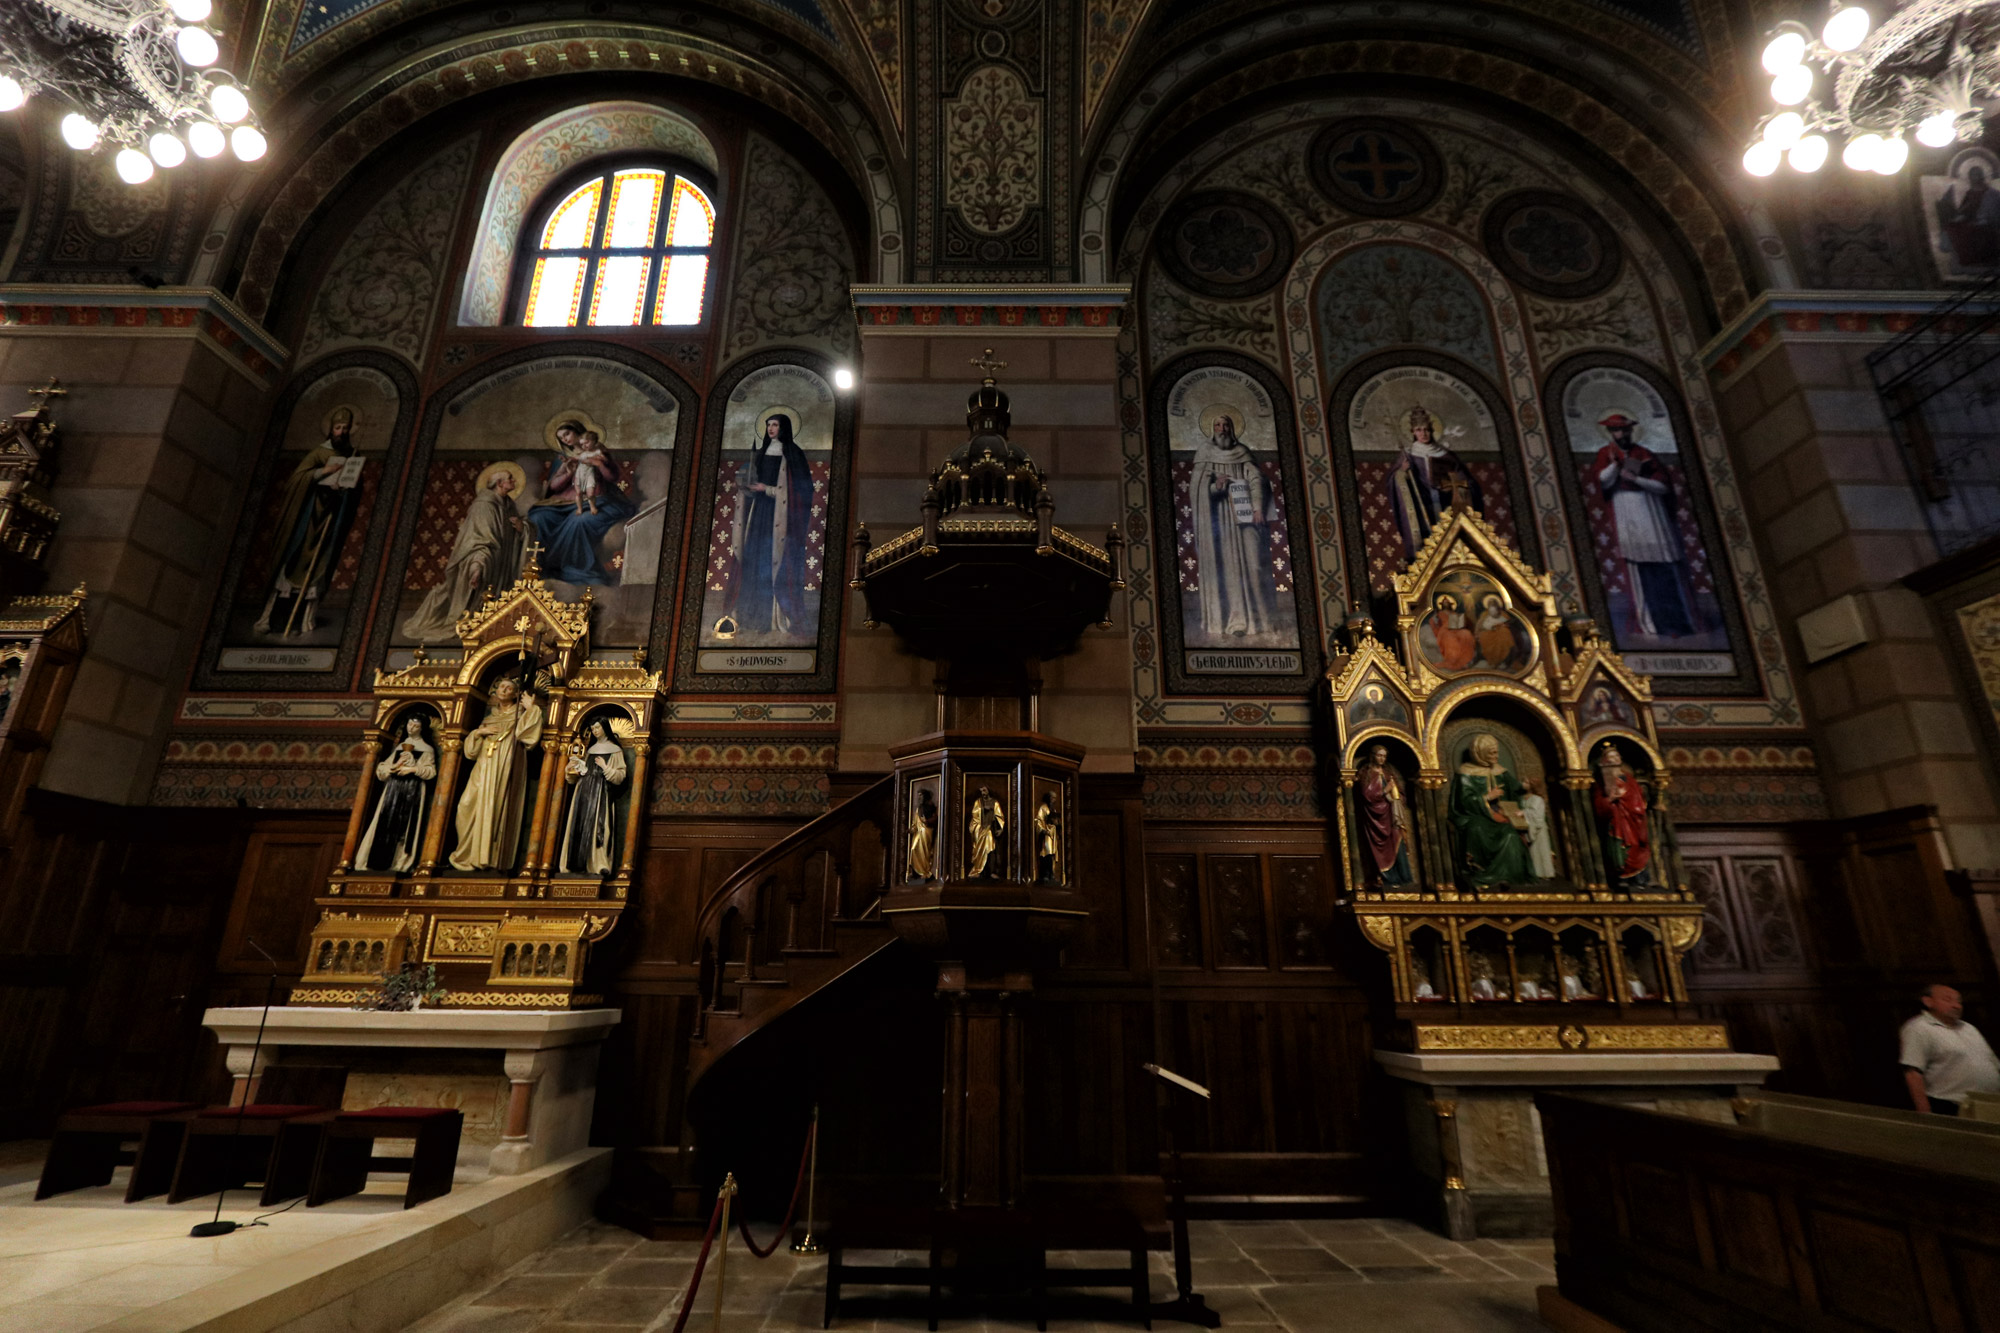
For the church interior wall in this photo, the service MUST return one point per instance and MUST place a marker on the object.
(1207, 766)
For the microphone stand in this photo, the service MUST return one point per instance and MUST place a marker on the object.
(1187, 1306)
(215, 1226)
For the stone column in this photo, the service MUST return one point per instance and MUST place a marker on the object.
(1840, 527)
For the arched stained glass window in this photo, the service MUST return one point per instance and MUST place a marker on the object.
(626, 246)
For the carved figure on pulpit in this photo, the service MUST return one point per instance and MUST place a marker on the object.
(1486, 815)
(1622, 821)
(590, 835)
(1535, 981)
(1575, 984)
(10, 681)
(396, 833)
(983, 859)
(1420, 975)
(1423, 481)
(1048, 840)
(489, 811)
(1385, 820)
(923, 835)
(1535, 812)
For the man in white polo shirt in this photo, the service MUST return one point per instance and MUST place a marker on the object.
(1944, 1057)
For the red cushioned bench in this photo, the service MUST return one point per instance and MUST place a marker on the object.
(90, 1143)
(347, 1147)
(226, 1147)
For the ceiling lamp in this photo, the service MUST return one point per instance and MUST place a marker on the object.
(1927, 72)
(138, 78)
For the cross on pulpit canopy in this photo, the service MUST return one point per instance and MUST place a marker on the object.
(53, 389)
(1460, 487)
(987, 364)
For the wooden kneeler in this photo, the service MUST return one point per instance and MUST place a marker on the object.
(90, 1143)
(347, 1148)
(273, 1143)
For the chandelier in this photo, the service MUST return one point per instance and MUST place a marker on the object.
(1927, 72)
(138, 76)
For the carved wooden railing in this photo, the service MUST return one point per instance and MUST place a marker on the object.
(791, 920)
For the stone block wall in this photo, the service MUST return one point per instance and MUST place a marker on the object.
(158, 430)
(1062, 393)
(1837, 516)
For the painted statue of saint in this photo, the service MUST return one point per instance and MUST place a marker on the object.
(396, 834)
(484, 559)
(1535, 813)
(774, 490)
(1048, 840)
(1385, 820)
(923, 836)
(1421, 481)
(590, 835)
(489, 812)
(1233, 508)
(1640, 491)
(1620, 802)
(320, 499)
(987, 822)
(1484, 811)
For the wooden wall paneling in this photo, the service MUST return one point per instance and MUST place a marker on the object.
(1173, 890)
(285, 865)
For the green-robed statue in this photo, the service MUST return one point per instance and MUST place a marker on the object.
(1492, 834)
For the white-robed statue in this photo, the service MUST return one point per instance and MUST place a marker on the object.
(396, 833)
(1233, 509)
(489, 813)
(590, 835)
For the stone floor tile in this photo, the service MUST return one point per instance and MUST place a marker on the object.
(1294, 1260)
(600, 1233)
(1227, 1273)
(666, 1249)
(625, 1305)
(484, 1319)
(572, 1327)
(1472, 1268)
(1374, 1253)
(1263, 1233)
(588, 1260)
(1405, 1273)
(649, 1273)
(1438, 1307)
(538, 1292)
(1515, 1266)
(1325, 1229)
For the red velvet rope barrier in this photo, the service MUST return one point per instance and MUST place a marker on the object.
(743, 1227)
(791, 1210)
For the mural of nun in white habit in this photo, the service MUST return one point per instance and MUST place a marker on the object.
(590, 834)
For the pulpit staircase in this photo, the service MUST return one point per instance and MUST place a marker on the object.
(790, 921)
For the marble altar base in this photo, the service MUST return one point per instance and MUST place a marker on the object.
(1476, 1140)
(526, 1079)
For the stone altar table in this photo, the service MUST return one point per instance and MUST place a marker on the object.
(548, 1059)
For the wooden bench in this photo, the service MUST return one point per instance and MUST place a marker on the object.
(91, 1142)
(347, 1147)
(226, 1147)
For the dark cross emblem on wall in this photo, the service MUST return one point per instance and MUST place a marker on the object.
(1375, 167)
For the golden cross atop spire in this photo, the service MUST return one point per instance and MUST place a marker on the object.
(986, 363)
(53, 389)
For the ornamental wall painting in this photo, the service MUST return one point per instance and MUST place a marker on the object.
(1637, 499)
(757, 618)
(573, 455)
(1415, 435)
(1962, 214)
(1222, 439)
(301, 564)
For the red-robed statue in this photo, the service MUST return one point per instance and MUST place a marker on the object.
(1385, 820)
(1622, 821)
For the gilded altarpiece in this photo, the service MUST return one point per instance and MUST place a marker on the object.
(495, 826)
(1504, 815)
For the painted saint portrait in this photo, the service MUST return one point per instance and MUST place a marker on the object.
(1659, 584)
(571, 456)
(1962, 213)
(302, 569)
(767, 552)
(1604, 706)
(1422, 439)
(1471, 628)
(1376, 704)
(1233, 550)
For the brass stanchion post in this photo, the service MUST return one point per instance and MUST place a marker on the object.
(806, 1244)
(722, 1256)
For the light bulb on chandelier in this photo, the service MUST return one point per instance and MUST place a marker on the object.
(247, 142)
(1938, 129)
(12, 94)
(1784, 129)
(134, 167)
(228, 103)
(167, 150)
(1762, 157)
(79, 132)
(1784, 51)
(206, 138)
(1809, 154)
(1847, 29)
(191, 11)
(197, 47)
(1891, 155)
(1859, 155)
(1793, 86)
